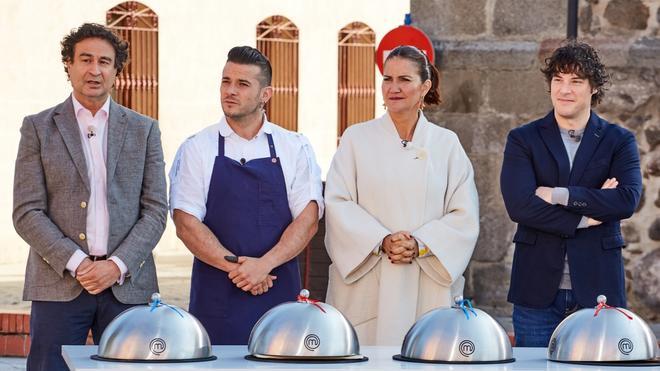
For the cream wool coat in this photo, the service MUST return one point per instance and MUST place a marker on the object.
(375, 187)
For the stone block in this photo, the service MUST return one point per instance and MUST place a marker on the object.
(653, 166)
(628, 14)
(479, 133)
(546, 48)
(645, 52)
(496, 229)
(491, 132)
(486, 54)
(468, 291)
(490, 283)
(515, 92)
(629, 231)
(654, 230)
(585, 17)
(646, 282)
(635, 123)
(449, 18)
(627, 93)
(613, 51)
(461, 124)
(530, 19)
(462, 90)
(642, 199)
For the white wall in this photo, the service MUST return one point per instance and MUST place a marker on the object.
(194, 38)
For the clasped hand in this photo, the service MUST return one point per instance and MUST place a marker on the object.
(401, 247)
(97, 276)
(252, 274)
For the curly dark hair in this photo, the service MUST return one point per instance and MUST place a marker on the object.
(94, 30)
(581, 59)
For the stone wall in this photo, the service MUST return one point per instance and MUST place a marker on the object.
(489, 53)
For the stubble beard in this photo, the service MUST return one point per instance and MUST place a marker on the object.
(244, 115)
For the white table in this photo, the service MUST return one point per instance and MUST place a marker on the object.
(77, 357)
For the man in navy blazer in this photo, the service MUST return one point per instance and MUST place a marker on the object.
(568, 179)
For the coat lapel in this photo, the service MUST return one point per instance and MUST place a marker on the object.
(116, 136)
(593, 133)
(549, 131)
(418, 135)
(66, 122)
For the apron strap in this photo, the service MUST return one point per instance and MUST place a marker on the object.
(221, 145)
(271, 146)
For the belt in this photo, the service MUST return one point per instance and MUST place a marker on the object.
(95, 258)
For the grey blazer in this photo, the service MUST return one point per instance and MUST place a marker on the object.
(51, 183)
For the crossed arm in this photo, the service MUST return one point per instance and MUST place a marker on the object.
(546, 194)
(527, 203)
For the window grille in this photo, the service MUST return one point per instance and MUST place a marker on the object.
(136, 87)
(277, 39)
(356, 86)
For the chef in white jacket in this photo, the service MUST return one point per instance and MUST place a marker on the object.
(402, 212)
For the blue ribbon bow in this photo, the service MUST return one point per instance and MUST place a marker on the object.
(154, 304)
(462, 303)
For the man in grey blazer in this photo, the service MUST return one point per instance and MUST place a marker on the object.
(90, 201)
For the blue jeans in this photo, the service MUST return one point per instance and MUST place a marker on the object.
(533, 327)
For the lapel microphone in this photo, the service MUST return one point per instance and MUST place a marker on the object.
(404, 143)
(91, 131)
(575, 137)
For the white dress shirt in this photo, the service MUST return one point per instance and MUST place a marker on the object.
(94, 138)
(190, 175)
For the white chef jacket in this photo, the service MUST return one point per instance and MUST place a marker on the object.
(190, 175)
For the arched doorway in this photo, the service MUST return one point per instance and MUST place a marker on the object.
(356, 85)
(137, 85)
(277, 39)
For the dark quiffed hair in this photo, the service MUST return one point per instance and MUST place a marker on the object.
(93, 30)
(252, 56)
(425, 69)
(581, 59)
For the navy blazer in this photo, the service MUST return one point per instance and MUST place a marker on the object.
(535, 156)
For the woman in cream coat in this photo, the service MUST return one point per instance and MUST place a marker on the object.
(402, 213)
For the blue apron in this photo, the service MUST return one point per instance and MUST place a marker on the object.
(247, 210)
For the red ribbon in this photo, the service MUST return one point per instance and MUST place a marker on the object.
(605, 306)
(302, 299)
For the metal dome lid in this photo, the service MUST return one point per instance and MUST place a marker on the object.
(459, 334)
(156, 332)
(603, 334)
(305, 329)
